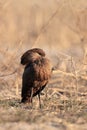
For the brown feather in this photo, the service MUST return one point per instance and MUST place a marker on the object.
(26, 56)
(36, 75)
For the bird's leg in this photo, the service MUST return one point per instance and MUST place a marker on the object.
(31, 98)
(39, 100)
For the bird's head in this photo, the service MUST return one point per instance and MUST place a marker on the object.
(32, 55)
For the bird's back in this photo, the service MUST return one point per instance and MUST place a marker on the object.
(36, 75)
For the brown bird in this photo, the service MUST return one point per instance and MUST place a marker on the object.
(36, 74)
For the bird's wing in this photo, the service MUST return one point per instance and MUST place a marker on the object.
(32, 79)
(27, 81)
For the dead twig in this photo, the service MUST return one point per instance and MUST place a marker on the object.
(3, 75)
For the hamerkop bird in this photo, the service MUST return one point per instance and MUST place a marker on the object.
(36, 74)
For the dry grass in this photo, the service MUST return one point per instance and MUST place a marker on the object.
(60, 28)
(64, 104)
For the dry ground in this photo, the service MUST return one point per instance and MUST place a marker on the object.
(64, 105)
